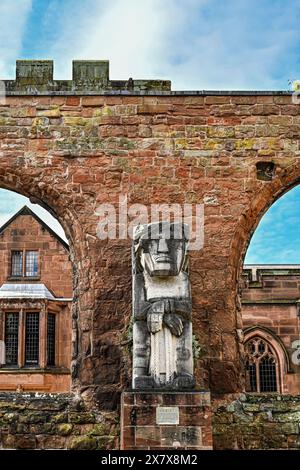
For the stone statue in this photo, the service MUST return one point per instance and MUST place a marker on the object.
(162, 329)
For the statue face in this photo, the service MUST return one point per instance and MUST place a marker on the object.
(162, 257)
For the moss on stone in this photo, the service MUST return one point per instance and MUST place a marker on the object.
(33, 417)
(84, 443)
(288, 417)
(181, 144)
(222, 132)
(245, 144)
(40, 121)
(104, 111)
(60, 418)
(100, 429)
(51, 113)
(82, 418)
(10, 418)
(64, 429)
(76, 121)
(105, 442)
(7, 121)
(197, 348)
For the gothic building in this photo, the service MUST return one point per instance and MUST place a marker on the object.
(270, 309)
(35, 299)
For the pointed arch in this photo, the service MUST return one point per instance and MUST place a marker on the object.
(286, 179)
(266, 359)
(47, 189)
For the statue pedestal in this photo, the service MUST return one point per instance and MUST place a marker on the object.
(166, 420)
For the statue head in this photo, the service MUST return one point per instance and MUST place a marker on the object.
(160, 248)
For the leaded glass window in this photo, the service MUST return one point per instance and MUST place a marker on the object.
(11, 338)
(32, 268)
(32, 326)
(51, 339)
(17, 263)
(261, 366)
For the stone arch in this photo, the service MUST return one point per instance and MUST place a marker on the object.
(265, 196)
(33, 184)
(266, 193)
(276, 344)
(42, 193)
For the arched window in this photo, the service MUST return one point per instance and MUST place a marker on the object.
(262, 366)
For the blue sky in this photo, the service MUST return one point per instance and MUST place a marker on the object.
(11, 202)
(198, 44)
(277, 237)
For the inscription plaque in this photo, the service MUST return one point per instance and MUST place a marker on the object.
(167, 415)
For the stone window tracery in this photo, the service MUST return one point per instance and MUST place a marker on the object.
(262, 366)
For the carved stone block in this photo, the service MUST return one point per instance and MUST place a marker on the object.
(162, 306)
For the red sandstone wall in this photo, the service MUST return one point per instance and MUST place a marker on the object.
(34, 382)
(75, 152)
(272, 286)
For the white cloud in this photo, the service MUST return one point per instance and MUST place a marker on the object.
(198, 44)
(13, 17)
(132, 34)
(201, 44)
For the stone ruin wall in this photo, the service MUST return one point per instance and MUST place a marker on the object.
(72, 145)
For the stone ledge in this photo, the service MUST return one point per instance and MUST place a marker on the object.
(51, 371)
(10, 397)
(91, 77)
(11, 91)
(270, 301)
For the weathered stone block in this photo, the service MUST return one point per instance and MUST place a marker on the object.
(34, 72)
(83, 443)
(81, 418)
(181, 437)
(142, 429)
(147, 437)
(90, 73)
(64, 429)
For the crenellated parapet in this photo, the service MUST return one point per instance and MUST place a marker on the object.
(35, 77)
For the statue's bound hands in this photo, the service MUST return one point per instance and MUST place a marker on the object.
(174, 323)
(155, 316)
(154, 322)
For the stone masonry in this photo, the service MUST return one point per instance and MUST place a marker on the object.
(255, 422)
(72, 145)
(54, 421)
(139, 428)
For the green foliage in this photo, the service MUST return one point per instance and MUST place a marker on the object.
(127, 336)
(197, 349)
